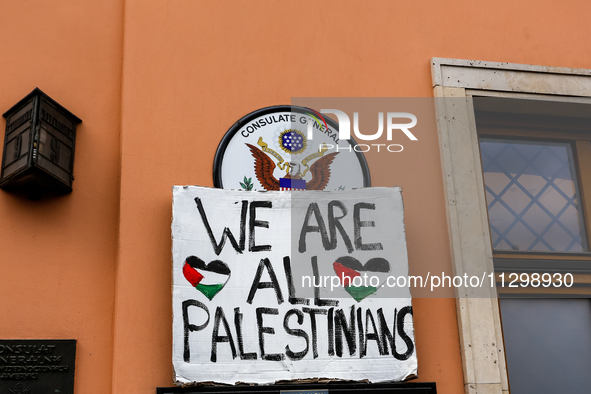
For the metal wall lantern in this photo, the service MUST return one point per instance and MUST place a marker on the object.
(39, 143)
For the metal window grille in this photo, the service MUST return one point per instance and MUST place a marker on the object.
(532, 196)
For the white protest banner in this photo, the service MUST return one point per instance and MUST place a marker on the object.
(272, 286)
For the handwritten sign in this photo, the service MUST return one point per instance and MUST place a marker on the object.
(271, 286)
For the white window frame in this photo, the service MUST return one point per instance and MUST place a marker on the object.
(454, 83)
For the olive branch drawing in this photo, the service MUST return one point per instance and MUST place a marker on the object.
(247, 185)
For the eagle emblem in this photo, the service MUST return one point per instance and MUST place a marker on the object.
(20, 389)
(291, 141)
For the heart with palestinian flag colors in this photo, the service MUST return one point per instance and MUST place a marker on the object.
(210, 278)
(361, 280)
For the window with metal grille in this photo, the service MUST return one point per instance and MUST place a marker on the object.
(536, 163)
(532, 196)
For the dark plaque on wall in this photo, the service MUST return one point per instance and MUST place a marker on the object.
(37, 366)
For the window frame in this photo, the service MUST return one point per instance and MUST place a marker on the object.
(454, 83)
(578, 264)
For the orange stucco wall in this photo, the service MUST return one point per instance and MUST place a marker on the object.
(157, 83)
(58, 255)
